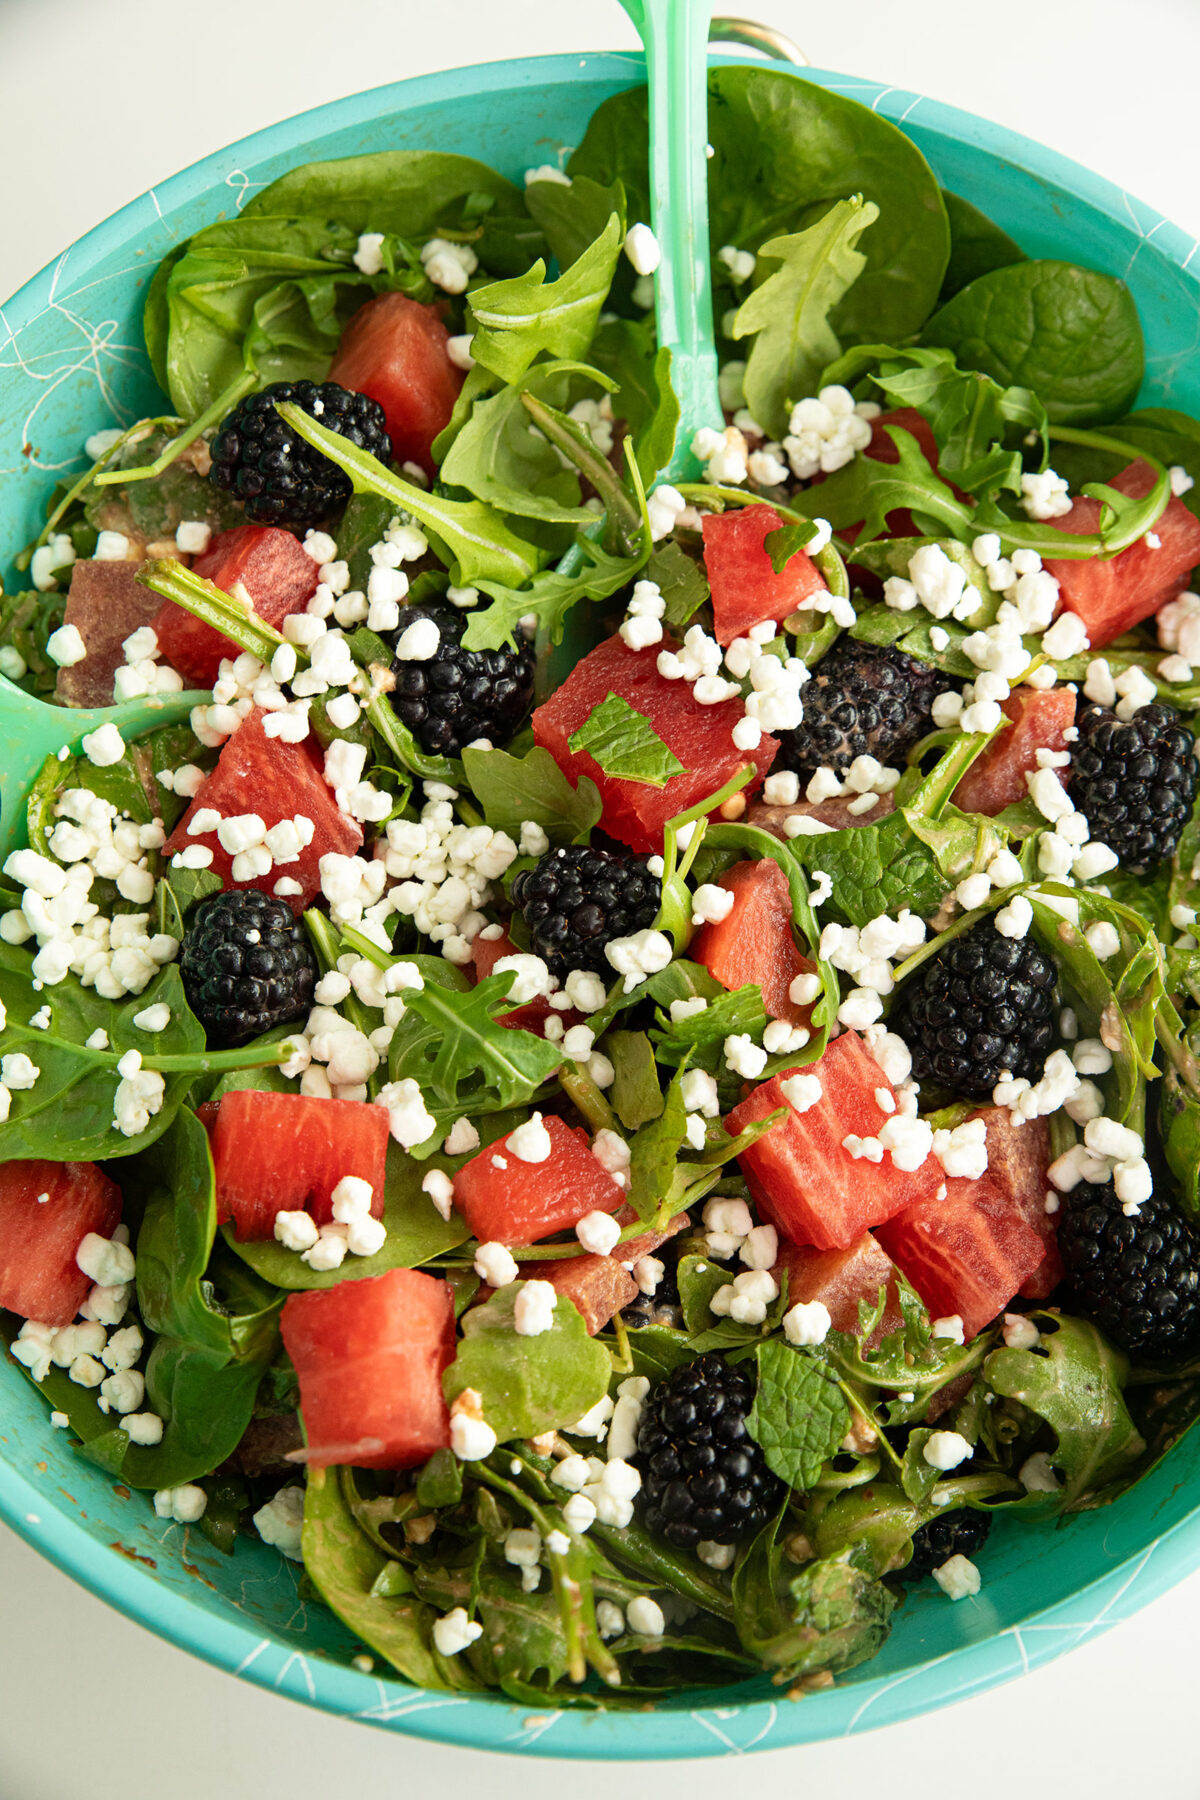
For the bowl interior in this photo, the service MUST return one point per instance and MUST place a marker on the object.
(70, 363)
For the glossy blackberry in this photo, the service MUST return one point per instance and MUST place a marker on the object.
(704, 1479)
(863, 700)
(958, 1533)
(1138, 1278)
(1134, 780)
(280, 479)
(449, 699)
(246, 965)
(662, 1307)
(576, 901)
(984, 1005)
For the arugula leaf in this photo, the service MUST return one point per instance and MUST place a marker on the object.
(788, 316)
(514, 789)
(977, 246)
(627, 351)
(452, 1043)
(474, 534)
(496, 457)
(868, 490)
(1154, 431)
(787, 542)
(625, 745)
(1073, 1381)
(799, 1416)
(635, 1095)
(1069, 334)
(549, 596)
(519, 319)
(528, 1384)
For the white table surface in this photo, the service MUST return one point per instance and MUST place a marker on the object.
(102, 100)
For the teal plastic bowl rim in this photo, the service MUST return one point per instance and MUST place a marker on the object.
(496, 1724)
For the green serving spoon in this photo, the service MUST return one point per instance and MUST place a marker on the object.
(675, 36)
(31, 730)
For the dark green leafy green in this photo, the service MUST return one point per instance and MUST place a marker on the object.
(528, 1384)
(498, 459)
(681, 580)
(548, 597)
(626, 350)
(520, 319)
(465, 1061)
(827, 1617)
(977, 246)
(635, 1095)
(625, 744)
(515, 789)
(799, 1416)
(700, 1037)
(572, 216)
(408, 193)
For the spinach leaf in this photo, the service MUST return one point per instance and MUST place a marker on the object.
(784, 150)
(528, 1384)
(1068, 333)
(517, 320)
(635, 1095)
(514, 789)
(416, 1232)
(573, 217)
(465, 1060)
(548, 597)
(977, 246)
(27, 622)
(409, 193)
(625, 745)
(68, 1114)
(788, 316)
(799, 1416)
(1073, 1380)
(346, 1569)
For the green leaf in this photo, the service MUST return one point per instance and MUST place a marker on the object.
(406, 192)
(789, 315)
(625, 744)
(474, 534)
(1073, 1381)
(497, 458)
(548, 598)
(528, 1384)
(518, 320)
(874, 869)
(465, 1060)
(829, 1617)
(977, 246)
(787, 542)
(626, 350)
(868, 490)
(799, 1416)
(1070, 334)
(681, 581)
(573, 217)
(416, 1232)
(635, 1095)
(700, 1037)
(345, 1567)
(515, 789)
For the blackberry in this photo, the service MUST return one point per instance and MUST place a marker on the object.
(280, 479)
(1135, 780)
(982, 1006)
(449, 699)
(703, 1476)
(1138, 1278)
(577, 901)
(246, 965)
(662, 1307)
(960, 1532)
(863, 700)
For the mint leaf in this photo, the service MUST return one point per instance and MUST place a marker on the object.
(513, 789)
(874, 869)
(625, 744)
(528, 1384)
(799, 1416)
(681, 581)
(789, 314)
(700, 1038)
(787, 542)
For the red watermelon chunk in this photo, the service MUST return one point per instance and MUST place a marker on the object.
(507, 1201)
(370, 1356)
(599, 1286)
(395, 350)
(800, 1173)
(262, 775)
(746, 590)
(700, 736)
(1113, 594)
(1040, 721)
(755, 941)
(46, 1210)
(1019, 1159)
(287, 1152)
(273, 570)
(967, 1254)
(839, 1279)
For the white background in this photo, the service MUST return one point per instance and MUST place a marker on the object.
(102, 98)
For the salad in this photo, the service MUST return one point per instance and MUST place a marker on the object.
(612, 1066)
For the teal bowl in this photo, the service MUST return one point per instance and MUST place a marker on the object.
(71, 362)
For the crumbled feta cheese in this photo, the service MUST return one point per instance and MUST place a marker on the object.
(946, 1450)
(807, 1323)
(533, 1312)
(958, 1578)
(642, 248)
(185, 1505)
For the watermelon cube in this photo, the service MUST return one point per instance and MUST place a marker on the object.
(1040, 720)
(967, 1254)
(801, 1174)
(1113, 594)
(507, 1201)
(287, 1152)
(46, 1210)
(839, 1279)
(369, 1356)
(700, 736)
(755, 942)
(599, 1286)
(397, 351)
(262, 563)
(1019, 1159)
(746, 590)
(276, 781)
